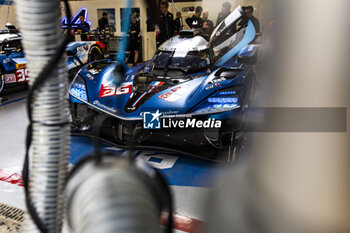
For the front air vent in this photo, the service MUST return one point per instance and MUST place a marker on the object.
(228, 73)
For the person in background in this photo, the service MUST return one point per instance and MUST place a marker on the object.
(196, 21)
(134, 33)
(208, 25)
(165, 27)
(225, 11)
(178, 23)
(248, 11)
(83, 28)
(103, 22)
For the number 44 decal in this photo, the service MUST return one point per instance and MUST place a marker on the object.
(75, 22)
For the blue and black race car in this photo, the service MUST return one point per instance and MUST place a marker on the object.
(13, 70)
(192, 96)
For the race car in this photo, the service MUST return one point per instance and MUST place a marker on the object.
(13, 71)
(82, 52)
(192, 96)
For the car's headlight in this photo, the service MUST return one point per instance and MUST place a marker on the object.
(78, 89)
(220, 101)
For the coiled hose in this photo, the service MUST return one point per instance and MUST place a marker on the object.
(48, 112)
(112, 196)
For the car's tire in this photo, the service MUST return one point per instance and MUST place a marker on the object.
(2, 82)
(230, 153)
(95, 54)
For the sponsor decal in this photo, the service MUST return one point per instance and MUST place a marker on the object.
(131, 108)
(10, 78)
(170, 96)
(21, 66)
(22, 75)
(212, 86)
(217, 80)
(175, 89)
(153, 120)
(124, 88)
(97, 103)
(170, 112)
(6, 60)
(174, 94)
(215, 83)
(90, 76)
(94, 71)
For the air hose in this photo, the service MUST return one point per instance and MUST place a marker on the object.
(48, 112)
(113, 196)
(118, 196)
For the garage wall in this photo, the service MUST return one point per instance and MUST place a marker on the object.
(148, 40)
(4, 10)
(214, 7)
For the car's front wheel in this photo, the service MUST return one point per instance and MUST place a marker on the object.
(2, 82)
(231, 151)
(95, 54)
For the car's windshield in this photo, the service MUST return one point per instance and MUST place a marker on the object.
(14, 45)
(187, 62)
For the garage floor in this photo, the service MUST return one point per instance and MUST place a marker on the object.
(189, 177)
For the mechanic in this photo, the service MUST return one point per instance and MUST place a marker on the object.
(178, 23)
(165, 27)
(103, 22)
(208, 25)
(248, 11)
(134, 33)
(196, 21)
(225, 11)
(83, 28)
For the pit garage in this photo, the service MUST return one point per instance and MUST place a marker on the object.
(173, 116)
